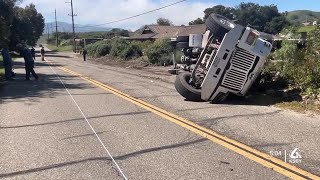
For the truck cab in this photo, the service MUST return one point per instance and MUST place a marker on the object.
(230, 62)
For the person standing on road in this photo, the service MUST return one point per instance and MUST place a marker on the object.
(28, 61)
(42, 52)
(84, 53)
(7, 63)
(33, 52)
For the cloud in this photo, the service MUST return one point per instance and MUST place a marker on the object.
(102, 11)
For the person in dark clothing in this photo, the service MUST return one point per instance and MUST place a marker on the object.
(28, 61)
(42, 52)
(84, 53)
(33, 53)
(7, 63)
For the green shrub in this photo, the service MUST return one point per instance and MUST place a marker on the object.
(103, 49)
(159, 52)
(116, 48)
(301, 67)
(91, 49)
(131, 51)
(98, 49)
(142, 44)
(178, 56)
(125, 49)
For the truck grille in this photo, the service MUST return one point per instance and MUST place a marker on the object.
(241, 63)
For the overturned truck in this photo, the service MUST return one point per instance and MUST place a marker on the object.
(230, 59)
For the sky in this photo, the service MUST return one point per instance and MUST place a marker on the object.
(103, 11)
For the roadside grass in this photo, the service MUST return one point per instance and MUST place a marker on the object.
(300, 107)
(307, 28)
(60, 48)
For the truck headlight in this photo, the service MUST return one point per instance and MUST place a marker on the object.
(252, 38)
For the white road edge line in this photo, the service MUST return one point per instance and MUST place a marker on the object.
(119, 169)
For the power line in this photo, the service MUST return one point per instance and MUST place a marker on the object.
(134, 15)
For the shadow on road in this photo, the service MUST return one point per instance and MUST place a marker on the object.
(95, 159)
(37, 63)
(149, 150)
(259, 99)
(72, 120)
(263, 99)
(52, 54)
(31, 91)
(53, 166)
(83, 135)
(210, 123)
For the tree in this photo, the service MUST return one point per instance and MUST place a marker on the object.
(119, 32)
(294, 17)
(227, 12)
(19, 24)
(27, 25)
(276, 24)
(261, 17)
(197, 21)
(164, 22)
(6, 17)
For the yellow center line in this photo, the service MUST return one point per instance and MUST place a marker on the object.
(246, 151)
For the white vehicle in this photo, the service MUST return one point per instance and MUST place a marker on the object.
(230, 62)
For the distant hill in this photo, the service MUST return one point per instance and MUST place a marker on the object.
(300, 16)
(66, 27)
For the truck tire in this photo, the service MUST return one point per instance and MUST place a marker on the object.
(219, 25)
(183, 39)
(181, 45)
(185, 89)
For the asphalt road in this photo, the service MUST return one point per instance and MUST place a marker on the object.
(45, 129)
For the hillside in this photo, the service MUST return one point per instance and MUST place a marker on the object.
(66, 27)
(300, 16)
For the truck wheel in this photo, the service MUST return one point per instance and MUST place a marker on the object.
(183, 39)
(185, 89)
(182, 45)
(219, 25)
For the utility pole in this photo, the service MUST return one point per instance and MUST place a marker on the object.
(48, 31)
(74, 34)
(55, 15)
